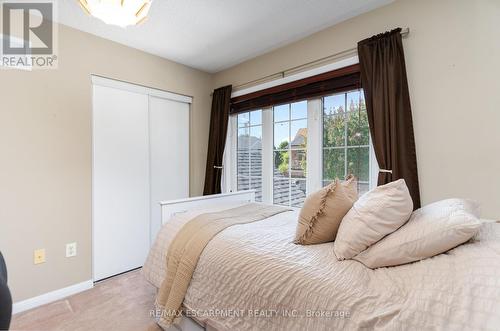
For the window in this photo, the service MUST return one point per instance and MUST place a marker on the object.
(301, 138)
(249, 152)
(346, 138)
(289, 149)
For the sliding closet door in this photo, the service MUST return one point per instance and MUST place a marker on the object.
(169, 154)
(121, 207)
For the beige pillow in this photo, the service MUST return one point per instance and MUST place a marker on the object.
(376, 214)
(431, 230)
(323, 211)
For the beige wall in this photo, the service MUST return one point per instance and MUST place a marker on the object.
(452, 60)
(45, 123)
(45, 159)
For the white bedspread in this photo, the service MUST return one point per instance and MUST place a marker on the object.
(252, 277)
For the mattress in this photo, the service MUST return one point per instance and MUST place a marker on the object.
(253, 277)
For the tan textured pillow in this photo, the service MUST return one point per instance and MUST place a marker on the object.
(376, 214)
(323, 211)
(431, 230)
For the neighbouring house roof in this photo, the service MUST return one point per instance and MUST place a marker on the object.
(249, 142)
(300, 138)
(252, 160)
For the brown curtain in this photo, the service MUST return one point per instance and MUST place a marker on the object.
(221, 103)
(383, 77)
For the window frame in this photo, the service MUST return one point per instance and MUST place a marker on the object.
(290, 149)
(314, 150)
(373, 168)
(249, 127)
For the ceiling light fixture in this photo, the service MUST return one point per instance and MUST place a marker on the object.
(118, 12)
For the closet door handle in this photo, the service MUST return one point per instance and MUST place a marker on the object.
(218, 167)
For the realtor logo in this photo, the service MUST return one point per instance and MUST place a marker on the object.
(28, 34)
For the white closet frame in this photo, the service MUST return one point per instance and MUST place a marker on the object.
(140, 89)
(122, 85)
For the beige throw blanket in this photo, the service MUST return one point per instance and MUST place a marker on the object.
(187, 246)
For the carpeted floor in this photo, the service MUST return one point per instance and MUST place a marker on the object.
(120, 303)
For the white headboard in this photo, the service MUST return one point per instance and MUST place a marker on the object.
(170, 208)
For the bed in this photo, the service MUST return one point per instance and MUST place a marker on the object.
(253, 277)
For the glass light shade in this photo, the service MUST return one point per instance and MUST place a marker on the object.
(118, 12)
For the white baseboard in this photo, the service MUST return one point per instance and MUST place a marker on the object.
(51, 296)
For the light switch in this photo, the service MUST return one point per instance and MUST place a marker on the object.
(39, 256)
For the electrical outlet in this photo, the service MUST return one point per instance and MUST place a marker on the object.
(71, 249)
(39, 256)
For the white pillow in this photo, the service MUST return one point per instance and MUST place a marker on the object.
(431, 230)
(376, 214)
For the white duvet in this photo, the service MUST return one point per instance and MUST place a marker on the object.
(252, 277)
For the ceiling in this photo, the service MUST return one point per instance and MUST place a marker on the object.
(213, 35)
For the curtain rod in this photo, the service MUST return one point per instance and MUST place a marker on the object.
(302, 67)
